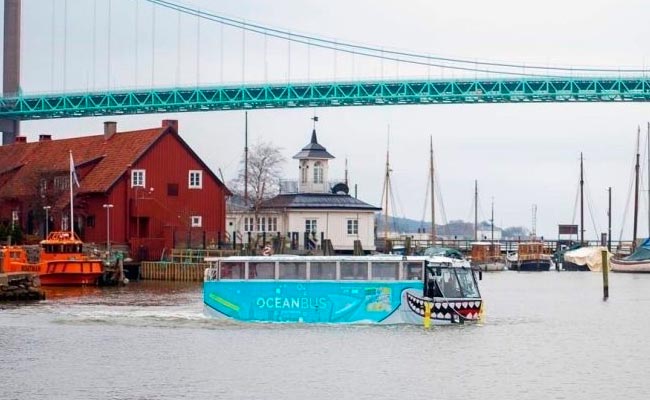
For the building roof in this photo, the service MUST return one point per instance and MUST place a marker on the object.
(317, 201)
(111, 158)
(313, 150)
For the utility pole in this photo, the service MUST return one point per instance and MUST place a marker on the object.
(433, 197)
(475, 210)
(246, 158)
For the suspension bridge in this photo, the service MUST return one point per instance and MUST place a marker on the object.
(499, 82)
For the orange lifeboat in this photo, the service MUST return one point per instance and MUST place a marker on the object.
(61, 261)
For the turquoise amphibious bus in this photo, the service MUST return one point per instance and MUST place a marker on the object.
(341, 289)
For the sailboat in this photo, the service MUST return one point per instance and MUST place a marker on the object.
(639, 260)
(581, 257)
(485, 256)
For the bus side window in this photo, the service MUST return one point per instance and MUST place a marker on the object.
(412, 271)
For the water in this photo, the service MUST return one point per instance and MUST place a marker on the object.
(548, 335)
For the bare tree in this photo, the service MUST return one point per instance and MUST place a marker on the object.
(264, 172)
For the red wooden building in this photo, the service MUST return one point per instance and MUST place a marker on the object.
(162, 194)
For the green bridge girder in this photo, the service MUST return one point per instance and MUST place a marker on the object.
(326, 94)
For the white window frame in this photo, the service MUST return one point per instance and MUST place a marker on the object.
(135, 182)
(311, 225)
(353, 226)
(61, 182)
(196, 221)
(190, 183)
(248, 224)
(304, 172)
(273, 224)
(318, 172)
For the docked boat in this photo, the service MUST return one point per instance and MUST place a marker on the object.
(584, 259)
(486, 256)
(531, 256)
(60, 261)
(342, 289)
(638, 261)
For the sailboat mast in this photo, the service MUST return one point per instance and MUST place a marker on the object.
(636, 189)
(386, 187)
(476, 210)
(433, 198)
(70, 174)
(609, 221)
(492, 223)
(648, 140)
(582, 204)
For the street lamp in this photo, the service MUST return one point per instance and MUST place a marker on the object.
(47, 220)
(108, 228)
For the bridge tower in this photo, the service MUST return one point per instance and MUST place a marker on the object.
(11, 66)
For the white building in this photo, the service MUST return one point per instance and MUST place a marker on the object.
(487, 234)
(318, 210)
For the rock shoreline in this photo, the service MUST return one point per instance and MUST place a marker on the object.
(20, 287)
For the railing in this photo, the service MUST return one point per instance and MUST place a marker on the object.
(507, 246)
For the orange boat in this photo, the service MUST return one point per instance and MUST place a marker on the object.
(61, 261)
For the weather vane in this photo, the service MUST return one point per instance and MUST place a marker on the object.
(315, 119)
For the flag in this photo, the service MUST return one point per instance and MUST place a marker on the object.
(73, 173)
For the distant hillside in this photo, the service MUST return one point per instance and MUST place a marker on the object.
(457, 228)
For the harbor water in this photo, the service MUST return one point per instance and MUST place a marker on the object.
(547, 335)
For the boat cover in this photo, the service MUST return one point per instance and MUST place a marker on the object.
(642, 253)
(589, 256)
(443, 252)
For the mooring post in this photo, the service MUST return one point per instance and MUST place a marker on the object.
(605, 268)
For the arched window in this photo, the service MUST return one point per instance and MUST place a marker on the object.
(318, 172)
(303, 172)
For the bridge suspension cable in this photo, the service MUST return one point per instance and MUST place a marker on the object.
(392, 55)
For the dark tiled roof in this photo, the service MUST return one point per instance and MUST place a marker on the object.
(318, 200)
(313, 150)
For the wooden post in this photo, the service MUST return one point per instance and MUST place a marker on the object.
(605, 268)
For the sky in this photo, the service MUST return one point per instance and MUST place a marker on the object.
(522, 155)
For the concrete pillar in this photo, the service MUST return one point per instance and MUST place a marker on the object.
(11, 65)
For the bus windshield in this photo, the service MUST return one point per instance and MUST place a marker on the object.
(452, 282)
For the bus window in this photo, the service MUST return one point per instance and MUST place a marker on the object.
(261, 270)
(319, 270)
(293, 270)
(384, 271)
(412, 270)
(232, 270)
(354, 270)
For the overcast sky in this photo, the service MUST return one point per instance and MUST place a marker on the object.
(521, 154)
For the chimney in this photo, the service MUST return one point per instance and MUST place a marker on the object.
(110, 128)
(21, 139)
(170, 123)
(43, 138)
